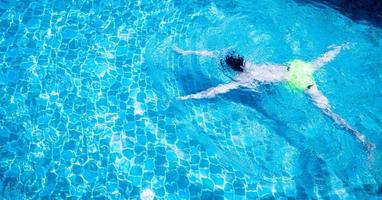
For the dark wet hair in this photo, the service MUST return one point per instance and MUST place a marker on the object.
(235, 61)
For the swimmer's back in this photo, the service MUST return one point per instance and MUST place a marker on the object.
(267, 72)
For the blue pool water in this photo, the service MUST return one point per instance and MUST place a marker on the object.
(88, 104)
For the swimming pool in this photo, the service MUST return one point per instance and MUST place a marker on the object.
(88, 102)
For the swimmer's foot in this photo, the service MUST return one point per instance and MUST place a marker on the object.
(369, 146)
(190, 52)
(370, 150)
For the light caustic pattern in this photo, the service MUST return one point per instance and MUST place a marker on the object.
(89, 108)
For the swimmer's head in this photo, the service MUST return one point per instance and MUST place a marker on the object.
(235, 61)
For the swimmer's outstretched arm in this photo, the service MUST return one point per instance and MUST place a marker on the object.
(328, 56)
(212, 92)
(322, 102)
(196, 52)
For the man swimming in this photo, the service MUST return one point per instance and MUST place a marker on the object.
(298, 75)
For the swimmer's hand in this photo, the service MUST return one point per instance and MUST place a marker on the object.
(345, 45)
(329, 55)
(182, 52)
(212, 92)
(179, 50)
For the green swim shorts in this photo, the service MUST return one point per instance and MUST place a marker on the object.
(300, 75)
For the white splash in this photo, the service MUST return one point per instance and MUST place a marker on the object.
(116, 143)
(121, 33)
(138, 109)
(147, 194)
(49, 33)
(54, 93)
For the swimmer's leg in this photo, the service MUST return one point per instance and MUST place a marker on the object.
(212, 92)
(191, 52)
(328, 56)
(322, 102)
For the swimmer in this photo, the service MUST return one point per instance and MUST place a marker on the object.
(297, 74)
